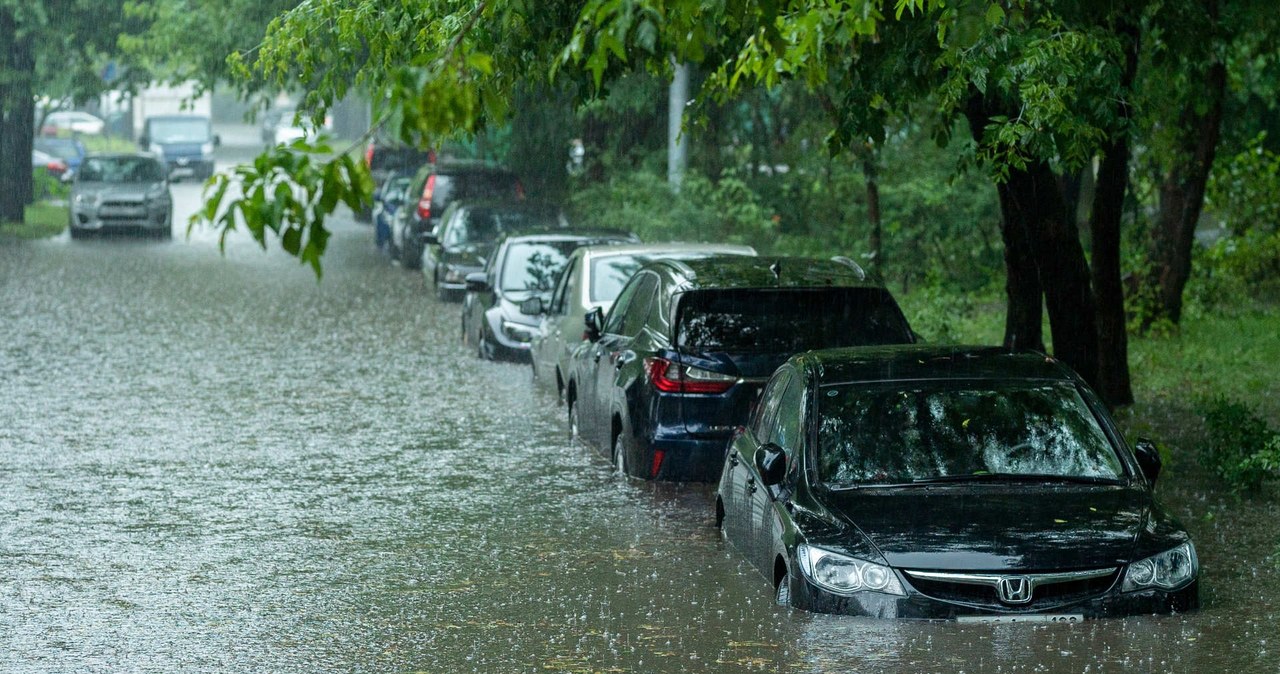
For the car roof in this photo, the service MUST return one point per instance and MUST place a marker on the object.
(668, 248)
(565, 234)
(165, 118)
(740, 271)
(930, 362)
(506, 204)
(119, 155)
(454, 166)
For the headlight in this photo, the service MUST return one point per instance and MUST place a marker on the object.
(156, 149)
(452, 275)
(841, 574)
(517, 331)
(1169, 570)
(206, 149)
(157, 191)
(87, 199)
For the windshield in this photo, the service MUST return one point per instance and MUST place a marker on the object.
(179, 130)
(121, 170)
(789, 320)
(912, 431)
(535, 266)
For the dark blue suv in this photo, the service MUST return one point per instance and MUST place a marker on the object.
(682, 356)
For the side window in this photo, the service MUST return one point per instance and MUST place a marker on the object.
(638, 314)
(564, 288)
(455, 228)
(788, 423)
(768, 407)
(613, 323)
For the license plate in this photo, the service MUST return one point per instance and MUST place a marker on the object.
(1028, 618)
(183, 161)
(122, 212)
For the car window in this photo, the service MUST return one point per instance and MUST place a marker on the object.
(768, 410)
(789, 320)
(610, 273)
(904, 431)
(121, 170)
(788, 425)
(638, 314)
(565, 287)
(614, 322)
(535, 265)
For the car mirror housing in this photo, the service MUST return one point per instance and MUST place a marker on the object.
(594, 321)
(477, 282)
(1148, 458)
(430, 239)
(772, 464)
(532, 307)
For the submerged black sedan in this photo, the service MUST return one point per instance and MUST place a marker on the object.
(950, 483)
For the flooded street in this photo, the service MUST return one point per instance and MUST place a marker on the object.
(218, 463)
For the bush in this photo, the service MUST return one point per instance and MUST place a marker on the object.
(1242, 450)
(45, 186)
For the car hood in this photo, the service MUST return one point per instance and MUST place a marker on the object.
(994, 527)
(127, 191)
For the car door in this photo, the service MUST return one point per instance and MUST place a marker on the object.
(786, 430)
(548, 346)
(433, 253)
(621, 351)
(741, 472)
(592, 396)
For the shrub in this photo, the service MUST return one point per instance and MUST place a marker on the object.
(1242, 450)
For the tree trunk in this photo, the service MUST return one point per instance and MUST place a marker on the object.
(1182, 195)
(1024, 307)
(1104, 224)
(17, 113)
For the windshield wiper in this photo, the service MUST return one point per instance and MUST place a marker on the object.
(1016, 477)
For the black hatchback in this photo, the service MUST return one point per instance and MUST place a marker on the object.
(963, 483)
(687, 346)
(430, 192)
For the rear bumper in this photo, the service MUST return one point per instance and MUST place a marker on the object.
(687, 459)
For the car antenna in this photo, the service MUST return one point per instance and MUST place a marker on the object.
(776, 268)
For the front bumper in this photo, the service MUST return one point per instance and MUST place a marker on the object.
(917, 606)
(154, 217)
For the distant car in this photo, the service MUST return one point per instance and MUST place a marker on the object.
(388, 198)
(70, 150)
(467, 234)
(121, 192)
(51, 165)
(184, 142)
(433, 188)
(523, 267)
(687, 346)
(384, 159)
(281, 127)
(592, 279)
(71, 121)
(947, 483)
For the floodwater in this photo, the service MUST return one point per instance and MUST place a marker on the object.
(219, 464)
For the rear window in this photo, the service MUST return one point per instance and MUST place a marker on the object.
(789, 320)
(450, 187)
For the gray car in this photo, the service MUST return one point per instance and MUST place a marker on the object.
(593, 277)
(125, 192)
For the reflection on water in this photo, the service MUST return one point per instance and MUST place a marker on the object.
(221, 464)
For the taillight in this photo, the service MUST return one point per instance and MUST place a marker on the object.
(368, 157)
(658, 455)
(519, 190)
(670, 377)
(57, 166)
(424, 204)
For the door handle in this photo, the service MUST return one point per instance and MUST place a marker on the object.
(751, 485)
(733, 459)
(599, 352)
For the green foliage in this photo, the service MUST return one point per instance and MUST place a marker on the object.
(46, 187)
(1244, 190)
(1241, 450)
(42, 220)
(641, 202)
(288, 192)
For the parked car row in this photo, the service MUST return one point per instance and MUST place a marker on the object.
(859, 471)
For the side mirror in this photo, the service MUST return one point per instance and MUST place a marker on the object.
(144, 141)
(594, 321)
(217, 140)
(771, 463)
(430, 239)
(477, 282)
(1148, 458)
(532, 306)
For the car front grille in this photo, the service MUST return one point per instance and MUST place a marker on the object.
(982, 590)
